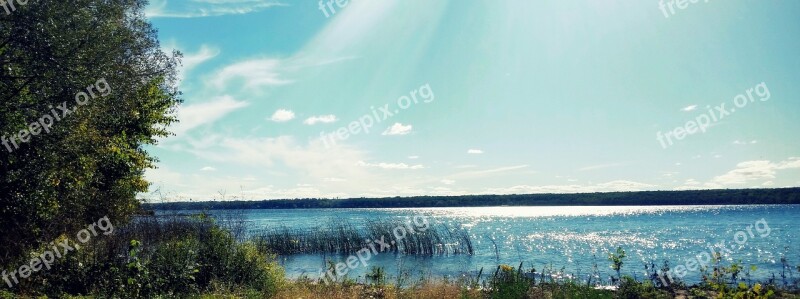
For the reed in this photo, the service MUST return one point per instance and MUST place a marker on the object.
(347, 238)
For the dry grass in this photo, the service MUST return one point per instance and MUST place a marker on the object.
(432, 290)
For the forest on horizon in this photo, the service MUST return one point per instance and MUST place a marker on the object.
(648, 198)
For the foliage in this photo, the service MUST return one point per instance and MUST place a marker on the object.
(161, 256)
(508, 282)
(376, 276)
(91, 163)
(616, 259)
(725, 282)
(629, 288)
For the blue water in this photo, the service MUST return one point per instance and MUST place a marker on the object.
(574, 239)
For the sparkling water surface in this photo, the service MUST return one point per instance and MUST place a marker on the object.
(573, 238)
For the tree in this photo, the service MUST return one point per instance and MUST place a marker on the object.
(102, 59)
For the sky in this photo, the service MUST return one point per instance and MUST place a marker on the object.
(309, 99)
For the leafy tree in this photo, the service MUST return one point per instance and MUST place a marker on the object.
(91, 162)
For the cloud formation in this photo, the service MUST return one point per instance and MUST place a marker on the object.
(324, 119)
(251, 73)
(282, 115)
(390, 165)
(205, 8)
(397, 129)
(195, 115)
(754, 171)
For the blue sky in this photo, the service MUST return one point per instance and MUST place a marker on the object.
(524, 97)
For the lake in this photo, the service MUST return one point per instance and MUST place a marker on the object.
(569, 240)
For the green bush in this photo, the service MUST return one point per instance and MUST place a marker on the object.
(160, 257)
(208, 260)
(508, 282)
(629, 288)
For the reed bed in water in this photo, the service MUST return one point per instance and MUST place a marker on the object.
(342, 237)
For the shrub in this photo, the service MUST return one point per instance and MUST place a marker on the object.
(629, 288)
(508, 282)
(161, 256)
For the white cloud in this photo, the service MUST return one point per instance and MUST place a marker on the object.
(205, 8)
(750, 171)
(750, 174)
(746, 172)
(601, 166)
(397, 129)
(208, 186)
(488, 172)
(310, 162)
(208, 168)
(325, 119)
(739, 142)
(689, 108)
(253, 74)
(613, 186)
(448, 182)
(390, 165)
(282, 115)
(413, 157)
(474, 152)
(192, 116)
(192, 60)
(792, 163)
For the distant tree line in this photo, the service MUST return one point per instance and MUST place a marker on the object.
(647, 198)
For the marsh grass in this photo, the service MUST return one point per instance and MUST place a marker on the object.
(346, 238)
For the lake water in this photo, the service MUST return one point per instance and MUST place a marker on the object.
(572, 238)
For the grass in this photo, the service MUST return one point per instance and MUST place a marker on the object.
(346, 238)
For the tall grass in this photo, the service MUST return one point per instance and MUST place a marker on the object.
(346, 238)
